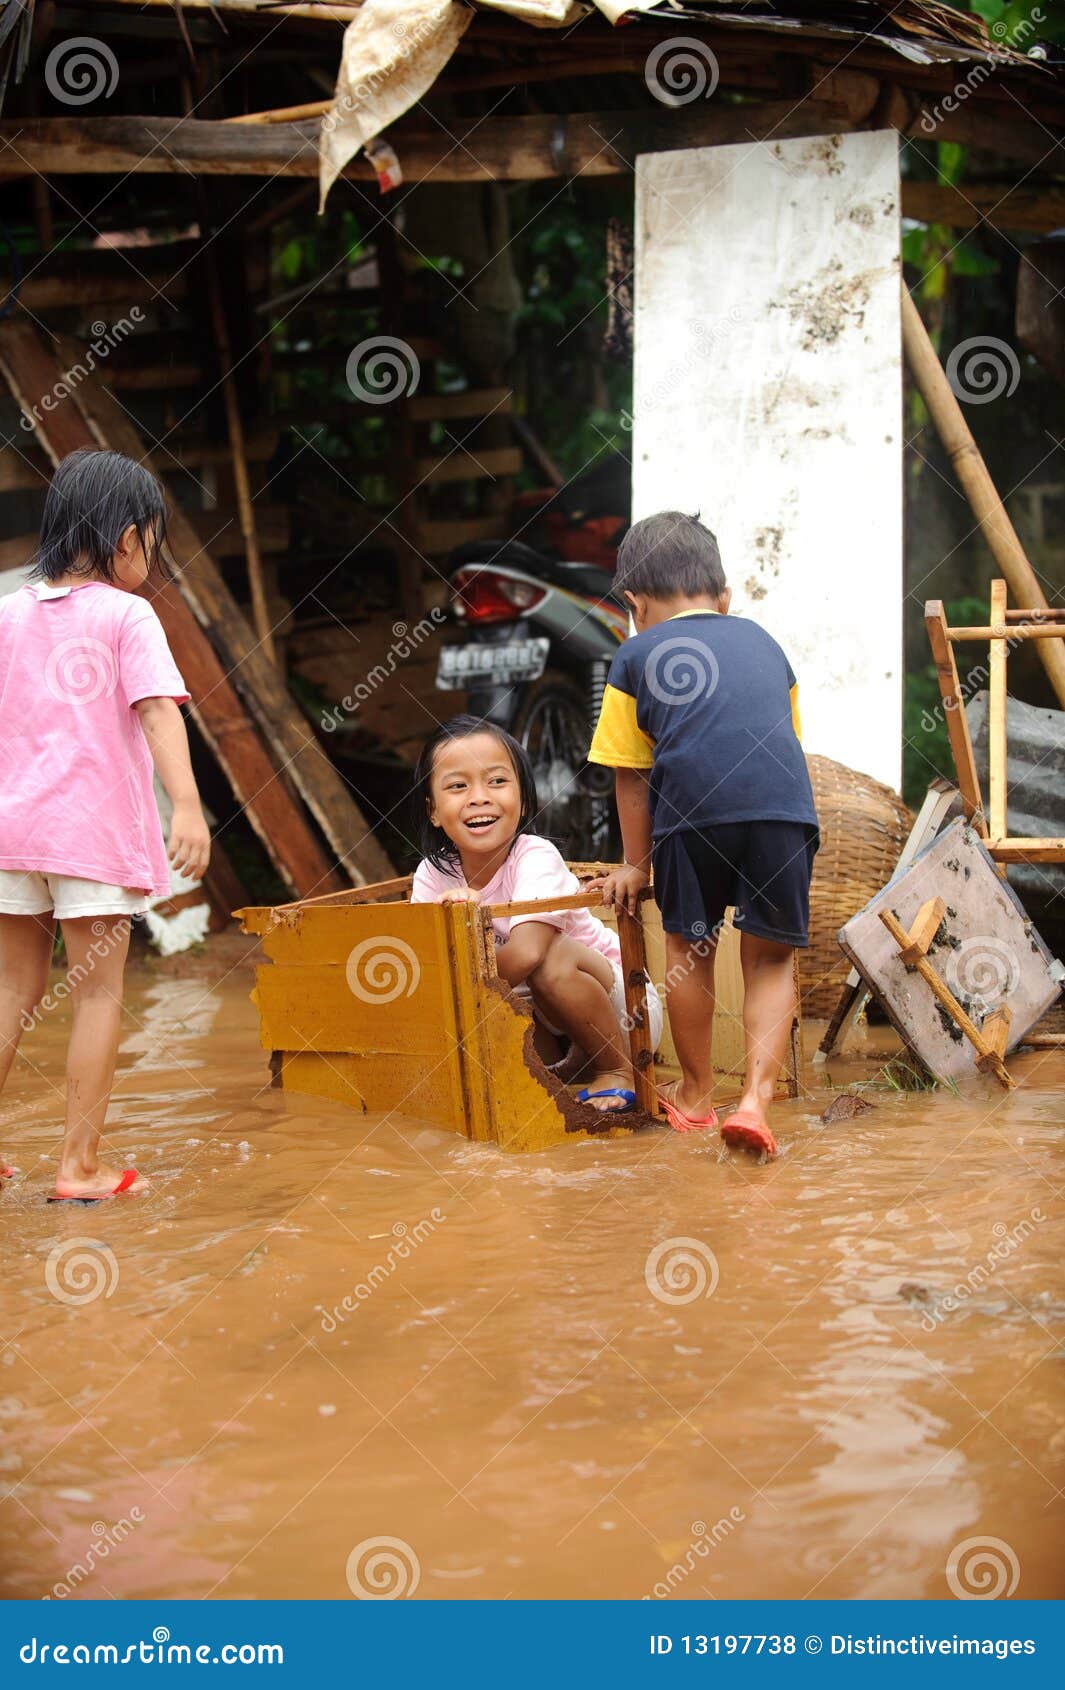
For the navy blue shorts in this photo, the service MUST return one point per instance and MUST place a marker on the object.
(760, 869)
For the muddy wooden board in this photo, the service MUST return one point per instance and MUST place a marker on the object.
(986, 951)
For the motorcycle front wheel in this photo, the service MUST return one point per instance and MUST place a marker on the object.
(576, 797)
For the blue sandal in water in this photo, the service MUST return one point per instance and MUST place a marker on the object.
(629, 1097)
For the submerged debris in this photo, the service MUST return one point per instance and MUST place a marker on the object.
(845, 1107)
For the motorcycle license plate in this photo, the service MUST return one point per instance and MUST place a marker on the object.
(464, 666)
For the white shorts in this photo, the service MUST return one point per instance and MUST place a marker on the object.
(25, 892)
(617, 998)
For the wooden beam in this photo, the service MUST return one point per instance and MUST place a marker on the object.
(1004, 206)
(499, 149)
(923, 930)
(961, 744)
(1027, 850)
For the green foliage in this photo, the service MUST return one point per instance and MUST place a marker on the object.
(1012, 23)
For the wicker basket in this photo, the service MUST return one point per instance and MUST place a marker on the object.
(864, 826)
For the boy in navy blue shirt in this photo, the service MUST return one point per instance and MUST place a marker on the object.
(700, 722)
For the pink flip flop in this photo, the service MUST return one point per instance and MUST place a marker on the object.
(682, 1123)
(748, 1133)
(129, 1175)
(6, 1172)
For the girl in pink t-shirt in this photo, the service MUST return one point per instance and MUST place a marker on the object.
(89, 697)
(477, 799)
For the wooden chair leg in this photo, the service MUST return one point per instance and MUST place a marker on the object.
(634, 970)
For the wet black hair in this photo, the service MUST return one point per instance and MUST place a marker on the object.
(436, 847)
(93, 497)
(670, 555)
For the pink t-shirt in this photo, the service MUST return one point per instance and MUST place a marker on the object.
(534, 869)
(76, 793)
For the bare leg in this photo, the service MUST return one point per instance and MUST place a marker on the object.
(768, 1011)
(573, 983)
(96, 951)
(26, 943)
(690, 1000)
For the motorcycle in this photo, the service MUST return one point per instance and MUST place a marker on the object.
(542, 635)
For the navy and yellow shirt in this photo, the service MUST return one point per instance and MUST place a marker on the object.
(709, 704)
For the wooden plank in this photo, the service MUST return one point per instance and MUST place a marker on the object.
(634, 973)
(228, 730)
(468, 464)
(1051, 629)
(1004, 205)
(995, 1031)
(961, 745)
(1027, 850)
(923, 929)
(318, 782)
(436, 538)
(996, 721)
(475, 402)
(515, 149)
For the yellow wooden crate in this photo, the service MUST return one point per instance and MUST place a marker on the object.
(397, 1008)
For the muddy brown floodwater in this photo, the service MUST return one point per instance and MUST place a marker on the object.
(625, 1368)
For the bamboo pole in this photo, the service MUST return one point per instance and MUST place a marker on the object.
(1012, 630)
(972, 472)
(285, 114)
(996, 717)
(235, 429)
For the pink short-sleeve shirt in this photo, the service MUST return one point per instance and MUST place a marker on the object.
(76, 794)
(534, 869)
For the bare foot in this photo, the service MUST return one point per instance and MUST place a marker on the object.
(688, 1099)
(100, 1183)
(614, 1078)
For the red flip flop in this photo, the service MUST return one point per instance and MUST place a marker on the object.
(682, 1123)
(747, 1132)
(129, 1175)
(6, 1172)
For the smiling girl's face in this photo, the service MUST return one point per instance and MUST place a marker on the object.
(475, 798)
